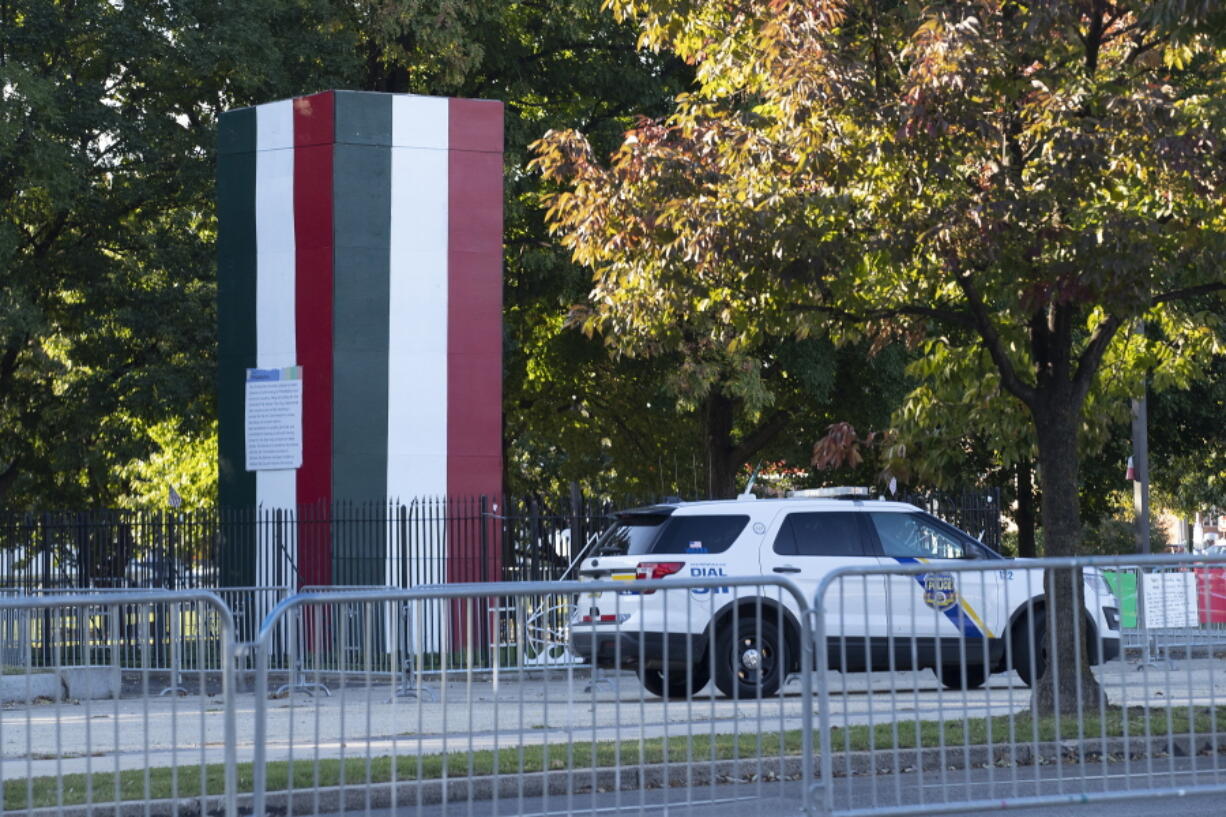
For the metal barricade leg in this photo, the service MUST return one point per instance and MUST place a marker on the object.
(297, 678)
(259, 763)
(411, 685)
(176, 647)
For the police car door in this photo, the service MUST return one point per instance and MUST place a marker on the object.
(938, 604)
(809, 544)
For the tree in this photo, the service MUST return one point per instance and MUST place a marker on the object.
(107, 324)
(1028, 179)
(1188, 440)
(958, 423)
(186, 463)
(571, 414)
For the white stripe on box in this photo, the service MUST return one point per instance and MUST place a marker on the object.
(276, 345)
(420, 122)
(417, 304)
(417, 301)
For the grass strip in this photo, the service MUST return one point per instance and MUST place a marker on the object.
(304, 774)
(8, 669)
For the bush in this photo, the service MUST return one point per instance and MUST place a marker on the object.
(1112, 536)
(1116, 536)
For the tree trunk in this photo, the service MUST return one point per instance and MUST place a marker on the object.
(721, 452)
(1067, 685)
(1025, 510)
(725, 454)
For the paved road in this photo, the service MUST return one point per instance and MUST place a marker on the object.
(134, 733)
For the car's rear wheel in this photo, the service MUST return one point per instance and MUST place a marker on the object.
(676, 683)
(750, 659)
(958, 676)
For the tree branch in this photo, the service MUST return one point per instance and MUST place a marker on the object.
(8, 476)
(616, 418)
(1188, 292)
(951, 316)
(8, 364)
(41, 241)
(1092, 356)
(1093, 38)
(760, 436)
(991, 340)
(1140, 47)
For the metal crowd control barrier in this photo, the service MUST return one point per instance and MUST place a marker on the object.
(932, 712)
(1197, 627)
(536, 625)
(247, 605)
(94, 733)
(13, 632)
(316, 636)
(250, 605)
(505, 731)
(77, 648)
(165, 652)
(506, 734)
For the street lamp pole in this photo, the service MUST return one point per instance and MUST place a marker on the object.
(1140, 461)
(1140, 499)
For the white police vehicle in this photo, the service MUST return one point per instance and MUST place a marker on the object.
(962, 625)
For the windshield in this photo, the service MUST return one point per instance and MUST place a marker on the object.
(918, 536)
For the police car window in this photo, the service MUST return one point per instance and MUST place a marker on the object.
(910, 536)
(633, 534)
(820, 534)
(699, 534)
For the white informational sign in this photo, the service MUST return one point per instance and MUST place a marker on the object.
(274, 419)
(1171, 600)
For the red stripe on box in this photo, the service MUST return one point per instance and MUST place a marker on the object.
(314, 131)
(475, 124)
(1211, 595)
(474, 315)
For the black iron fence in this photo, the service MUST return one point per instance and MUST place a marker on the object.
(423, 541)
(109, 549)
(976, 512)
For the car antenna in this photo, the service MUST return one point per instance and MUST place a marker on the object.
(748, 492)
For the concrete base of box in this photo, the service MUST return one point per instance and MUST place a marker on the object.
(29, 688)
(90, 683)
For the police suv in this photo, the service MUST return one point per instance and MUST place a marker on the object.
(963, 625)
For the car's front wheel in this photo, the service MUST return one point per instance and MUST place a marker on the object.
(1030, 650)
(677, 682)
(750, 659)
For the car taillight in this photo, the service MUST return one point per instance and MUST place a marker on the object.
(604, 619)
(656, 570)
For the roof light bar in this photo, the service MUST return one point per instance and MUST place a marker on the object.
(835, 492)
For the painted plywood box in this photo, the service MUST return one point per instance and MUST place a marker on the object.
(360, 240)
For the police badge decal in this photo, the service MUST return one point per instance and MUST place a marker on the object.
(940, 592)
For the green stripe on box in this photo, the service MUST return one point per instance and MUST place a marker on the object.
(363, 118)
(236, 310)
(1124, 585)
(361, 275)
(236, 288)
